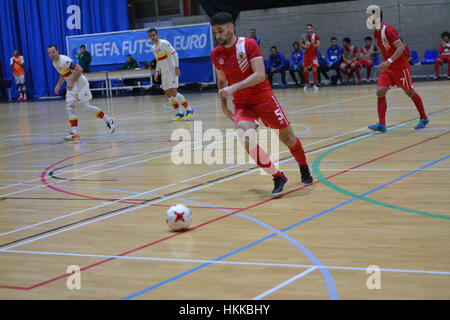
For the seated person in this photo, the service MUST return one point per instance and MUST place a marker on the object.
(334, 59)
(2, 86)
(367, 56)
(254, 37)
(350, 53)
(407, 53)
(131, 64)
(297, 60)
(444, 51)
(323, 69)
(277, 64)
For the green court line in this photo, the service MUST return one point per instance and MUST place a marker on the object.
(328, 183)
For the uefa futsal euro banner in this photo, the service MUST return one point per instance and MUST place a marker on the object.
(112, 48)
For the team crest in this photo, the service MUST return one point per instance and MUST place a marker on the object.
(241, 56)
(221, 61)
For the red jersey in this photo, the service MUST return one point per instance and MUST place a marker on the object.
(235, 64)
(311, 52)
(351, 52)
(369, 51)
(444, 48)
(385, 40)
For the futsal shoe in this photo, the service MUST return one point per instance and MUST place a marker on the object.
(316, 87)
(111, 126)
(378, 127)
(189, 114)
(72, 137)
(19, 98)
(307, 178)
(422, 123)
(178, 116)
(279, 183)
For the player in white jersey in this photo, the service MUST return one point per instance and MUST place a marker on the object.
(167, 65)
(78, 92)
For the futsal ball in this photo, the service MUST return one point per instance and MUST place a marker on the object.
(178, 217)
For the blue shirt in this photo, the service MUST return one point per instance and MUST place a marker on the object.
(258, 41)
(334, 55)
(320, 58)
(277, 61)
(297, 58)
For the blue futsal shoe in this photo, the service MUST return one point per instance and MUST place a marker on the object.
(178, 116)
(189, 114)
(422, 123)
(378, 127)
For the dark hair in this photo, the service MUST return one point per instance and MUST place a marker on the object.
(152, 30)
(347, 39)
(445, 34)
(83, 46)
(128, 55)
(309, 24)
(52, 45)
(221, 18)
(253, 29)
(381, 15)
(295, 42)
(368, 38)
(333, 38)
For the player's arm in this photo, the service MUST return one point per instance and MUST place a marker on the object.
(12, 62)
(223, 83)
(317, 44)
(256, 77)
(59, 84)
(76, 71)
(398, 52)
(175, 63)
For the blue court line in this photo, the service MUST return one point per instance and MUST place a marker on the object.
(283, 230)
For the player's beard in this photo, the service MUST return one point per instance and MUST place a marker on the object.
(227, 40)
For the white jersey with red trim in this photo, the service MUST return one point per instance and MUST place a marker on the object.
(164, 52)
(64, 66)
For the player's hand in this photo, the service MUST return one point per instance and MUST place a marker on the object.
(57, 89)
(177, 71)
(384, 65)
(155, 77)
(308, 44)
(273, 70)
(227, 91)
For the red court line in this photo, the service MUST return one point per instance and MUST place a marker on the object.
(224, 216)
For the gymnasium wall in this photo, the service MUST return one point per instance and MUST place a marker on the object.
(419, 22)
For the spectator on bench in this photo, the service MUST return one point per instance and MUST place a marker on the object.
(297, 60)
(254, 37)
(444, 51)
(334, 59)
(131, 64)
(85, 59)
(322, 69)
(277, 64)
(350, 53)
(367, 56)
(407, 53)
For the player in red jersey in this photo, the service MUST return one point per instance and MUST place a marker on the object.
(395, 70)
(241, 74)
(350, 54)
(444, 51)
(367, 56)
(310, 42)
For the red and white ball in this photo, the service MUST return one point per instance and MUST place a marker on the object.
(178, 217)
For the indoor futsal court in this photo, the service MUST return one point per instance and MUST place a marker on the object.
(86, 219)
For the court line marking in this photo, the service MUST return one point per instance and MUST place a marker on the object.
(156, 189)
(243, 263)
(317, 172)
(285, 283)
(225, 216)
(282, 230)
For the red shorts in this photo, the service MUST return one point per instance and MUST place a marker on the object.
(353, 65)
(366, 63)
(445, 58)
(400, 77)
(270, 113)
(310, 61)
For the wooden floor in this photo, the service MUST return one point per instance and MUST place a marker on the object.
(378, 200)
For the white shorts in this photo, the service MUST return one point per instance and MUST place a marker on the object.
(169, 79)
(80, 92)
(20, 79)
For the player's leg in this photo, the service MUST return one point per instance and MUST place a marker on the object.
(292, 73)
(246, 130)
(171, 95)
(17, 79)
(356, 67)
(384, 82)
(446, 60)
(305, 66)
(109, 121)
(283, 76)
(24, 88)
(344, 69)
(315, 65)
(71, 103)
(183, 102)
(415, 97)
(437, 63)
